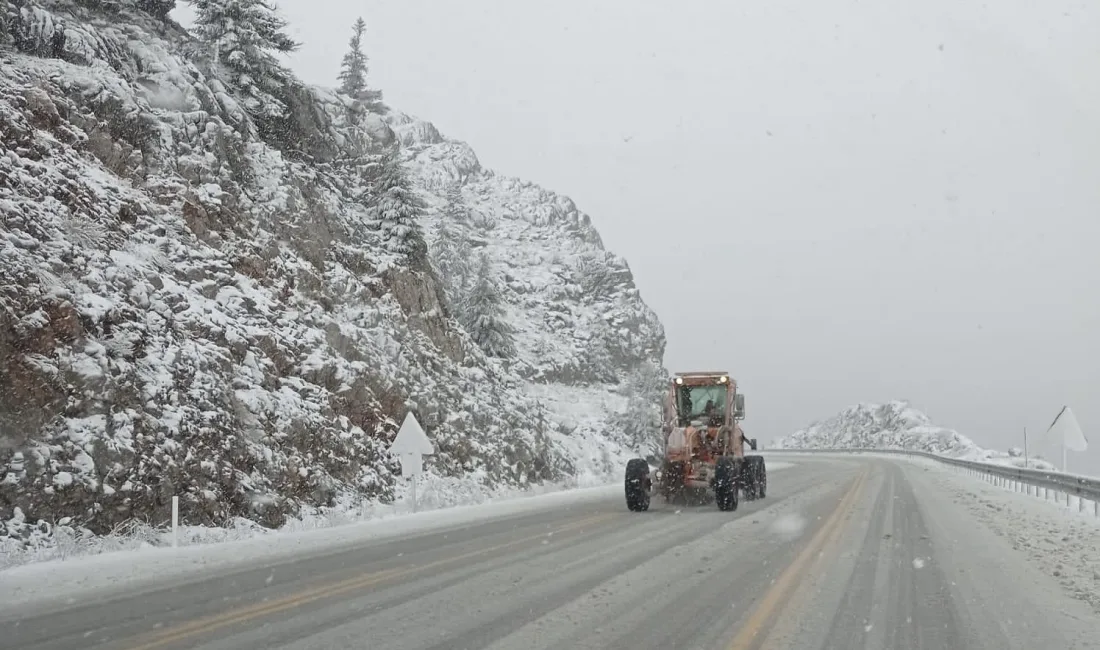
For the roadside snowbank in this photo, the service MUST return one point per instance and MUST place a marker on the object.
(68, 579)
(433, 493)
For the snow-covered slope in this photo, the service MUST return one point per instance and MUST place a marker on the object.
(194, 304)
(586, 345)
(577, 316)
(896, 425)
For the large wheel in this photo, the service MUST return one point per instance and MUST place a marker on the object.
(762, 480)
(726, 483)
(672, 483)
(747, 480)
(637, 485)
(753, 477)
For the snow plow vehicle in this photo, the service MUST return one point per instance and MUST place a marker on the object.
(704, 456)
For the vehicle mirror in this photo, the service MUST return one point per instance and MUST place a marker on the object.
(739, 407)
(752, 443)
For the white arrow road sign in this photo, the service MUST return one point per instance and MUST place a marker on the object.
(1068, 433)
(410, 446)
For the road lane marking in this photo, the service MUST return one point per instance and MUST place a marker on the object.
(774, 639)
(251, 612)
(776, 595)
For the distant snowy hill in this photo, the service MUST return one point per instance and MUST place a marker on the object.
(200, 301)
(896, 425)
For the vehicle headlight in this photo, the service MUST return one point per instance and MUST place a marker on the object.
(723, 379)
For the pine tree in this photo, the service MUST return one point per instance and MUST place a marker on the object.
(397, 207)
(157, 8)
(451, 251)
(485, 314)
(353, 71)
(451, 254)
(593, 275)
(456, 211)
(640, 423)
(244, 35)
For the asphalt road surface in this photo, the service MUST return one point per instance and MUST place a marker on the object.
(843, 553)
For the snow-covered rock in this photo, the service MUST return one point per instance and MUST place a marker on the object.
(897, 425)
(194, 303)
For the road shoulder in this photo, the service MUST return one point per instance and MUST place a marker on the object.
(915, 568)
(56, 584)
(997, 588)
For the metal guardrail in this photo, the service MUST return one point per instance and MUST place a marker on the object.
(1083, 487)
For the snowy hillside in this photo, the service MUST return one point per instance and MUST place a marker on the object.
(203, 299)
(576, 314)
(896, 425)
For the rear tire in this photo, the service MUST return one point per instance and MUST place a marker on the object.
(755, 477)
(637, 485)
(727, 483)
(762, 480)
(748, 478)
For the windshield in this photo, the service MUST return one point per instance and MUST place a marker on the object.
(692, 402)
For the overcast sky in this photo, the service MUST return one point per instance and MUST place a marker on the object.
(888, 200)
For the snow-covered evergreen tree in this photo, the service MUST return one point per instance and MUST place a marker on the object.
(244, 36)
(158, 8)
(451, 253)
(485, 314)
(353, 71)
(456, 211)
(593, 275)
(640, 424)
(396, 206)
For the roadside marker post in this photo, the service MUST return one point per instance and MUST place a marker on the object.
(175, 521)
(410, 446)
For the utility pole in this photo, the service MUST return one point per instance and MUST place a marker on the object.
(1025, 447)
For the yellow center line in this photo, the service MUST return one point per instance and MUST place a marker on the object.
(777, 594)
(823, 555)
(240, 615)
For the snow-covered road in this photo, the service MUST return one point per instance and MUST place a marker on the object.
(843, 553)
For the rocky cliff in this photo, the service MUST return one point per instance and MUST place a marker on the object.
(196, 302)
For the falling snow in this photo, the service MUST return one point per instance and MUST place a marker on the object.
(196, 305)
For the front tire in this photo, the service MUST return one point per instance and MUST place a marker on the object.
(637, 485)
